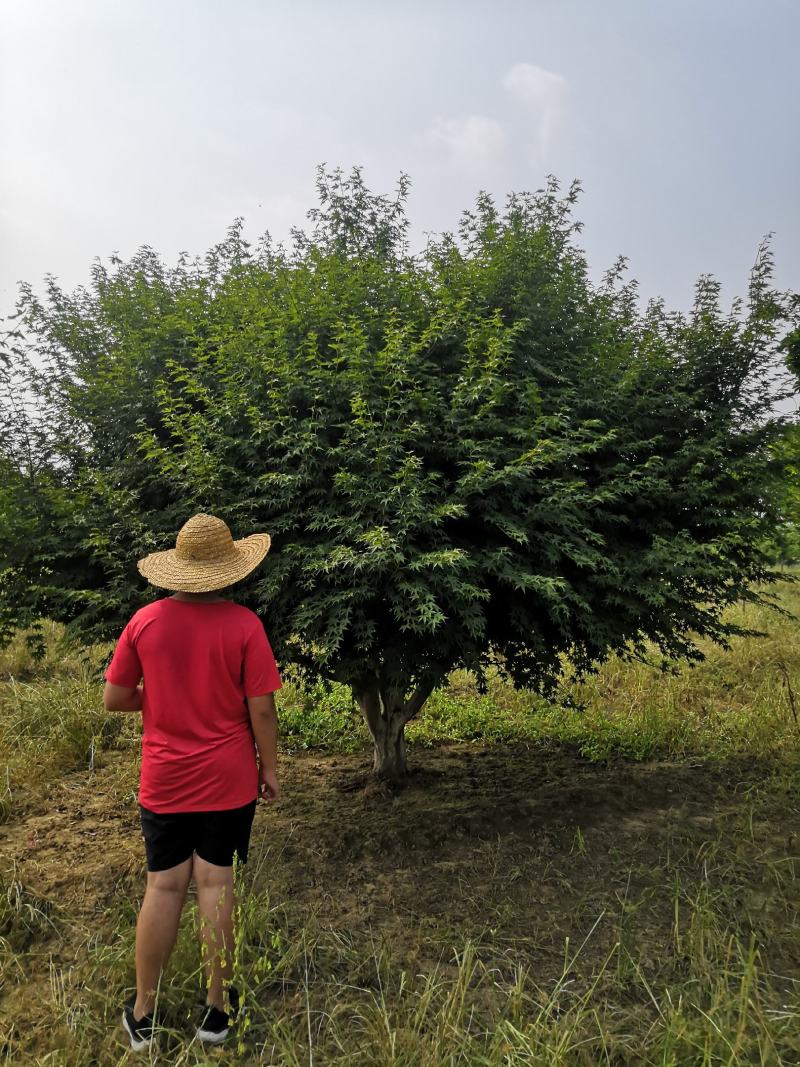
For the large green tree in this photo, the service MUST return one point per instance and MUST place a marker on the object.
(466, 457)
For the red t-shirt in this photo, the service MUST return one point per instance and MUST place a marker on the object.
(199, 661)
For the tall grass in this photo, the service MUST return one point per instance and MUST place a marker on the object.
(52, 719)
(320, 996)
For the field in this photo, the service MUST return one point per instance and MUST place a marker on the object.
(613, 885)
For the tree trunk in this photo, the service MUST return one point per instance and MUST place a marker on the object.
(389, 749)
(387, 713)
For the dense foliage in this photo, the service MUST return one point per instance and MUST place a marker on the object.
(466, 456)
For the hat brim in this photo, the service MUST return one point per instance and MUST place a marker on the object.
(167, 571)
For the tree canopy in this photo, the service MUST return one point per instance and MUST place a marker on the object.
(467, 457)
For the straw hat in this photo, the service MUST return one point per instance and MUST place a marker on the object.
(205, 557)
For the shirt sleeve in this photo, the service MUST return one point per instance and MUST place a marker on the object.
(259, 671)
(125, 667)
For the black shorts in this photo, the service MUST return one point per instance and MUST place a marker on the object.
(171, 838)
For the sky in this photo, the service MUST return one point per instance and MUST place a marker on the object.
(157, 122)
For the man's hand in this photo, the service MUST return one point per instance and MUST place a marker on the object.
(268, 786)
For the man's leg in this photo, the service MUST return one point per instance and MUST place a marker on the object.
(215, 911)
(157, 929)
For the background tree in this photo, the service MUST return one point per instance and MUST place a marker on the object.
(786, 537)
(466, 458)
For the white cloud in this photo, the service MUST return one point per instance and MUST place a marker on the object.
(543, 93)
(474, 142)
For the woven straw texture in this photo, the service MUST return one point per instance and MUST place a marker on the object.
(205, 557)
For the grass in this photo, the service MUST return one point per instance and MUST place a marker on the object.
(736, 703)
(319, 995)
(663, 935)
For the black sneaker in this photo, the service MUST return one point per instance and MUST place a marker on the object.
(216, 1024)
(140, 1031)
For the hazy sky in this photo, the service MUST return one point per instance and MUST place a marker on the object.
(129, 122)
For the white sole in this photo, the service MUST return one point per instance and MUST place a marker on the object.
(211, 1037)
(138, 1044)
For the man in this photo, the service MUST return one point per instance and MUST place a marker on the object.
(209, 749)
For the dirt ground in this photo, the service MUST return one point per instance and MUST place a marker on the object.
(539, 859)
(515, 847)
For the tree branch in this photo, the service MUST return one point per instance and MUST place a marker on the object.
(369, 700)
(415, 702)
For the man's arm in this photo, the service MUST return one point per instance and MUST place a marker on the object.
(122, 698)
(264, 721)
